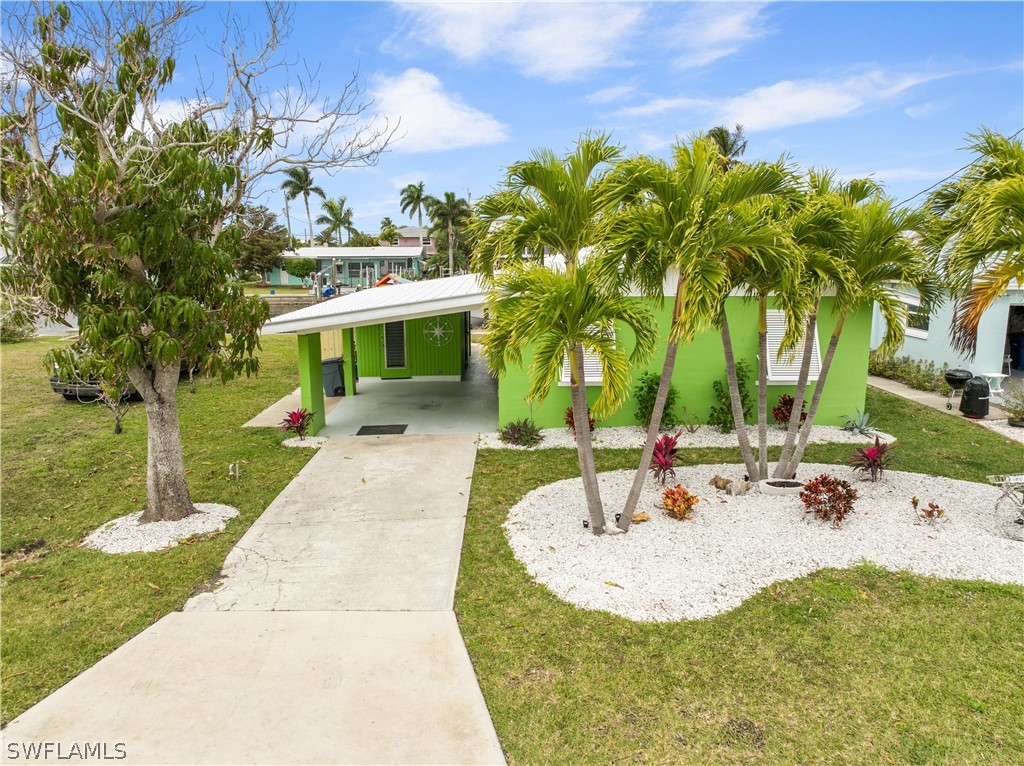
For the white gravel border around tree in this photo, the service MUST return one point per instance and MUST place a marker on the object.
(633, 437)
(666, 570)
(126, 535)
(309, 442)
(1003, 427)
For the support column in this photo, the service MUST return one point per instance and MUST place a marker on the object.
(311, 379)
(348, 345)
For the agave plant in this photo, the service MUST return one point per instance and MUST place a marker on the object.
(664, 457)
(297, 422)
(861, 423)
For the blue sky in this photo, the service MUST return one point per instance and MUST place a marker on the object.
(882, 89)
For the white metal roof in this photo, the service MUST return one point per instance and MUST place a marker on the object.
(392, 303)
(326, 253)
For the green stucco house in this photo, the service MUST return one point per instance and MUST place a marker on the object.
(420, 331)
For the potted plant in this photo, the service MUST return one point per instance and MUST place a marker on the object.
(1012, 403)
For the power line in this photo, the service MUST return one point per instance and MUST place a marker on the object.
(951, 175)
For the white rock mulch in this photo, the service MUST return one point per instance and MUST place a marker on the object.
(311, 442)
(665, 570)
(126, 535)
(633, 437)
(1002, 427)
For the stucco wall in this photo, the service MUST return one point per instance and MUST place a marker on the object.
(935, 348)
(702, 362)
(280, 277)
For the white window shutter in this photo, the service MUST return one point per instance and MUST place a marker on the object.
(787, 368)
(593, 371)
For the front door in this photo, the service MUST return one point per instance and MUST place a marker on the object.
(396, 362)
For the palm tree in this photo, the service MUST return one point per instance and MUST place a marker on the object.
(883, 253)
(299, 182)
(556, 314)
(450, 212)
(562, 203)
(337, 218)
(691, 220)
(414, 201)
(978, 230)
(731, 144)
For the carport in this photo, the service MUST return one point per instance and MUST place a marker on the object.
(382, 306)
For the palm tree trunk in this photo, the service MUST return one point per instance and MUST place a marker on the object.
(451, 253)
(737, 403)
(654, 427)
(584, 444)
(799, 396)
(762, 387)
(805, 431)
(309, 218)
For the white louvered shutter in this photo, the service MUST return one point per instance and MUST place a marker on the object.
(593, 370)
(787, 368)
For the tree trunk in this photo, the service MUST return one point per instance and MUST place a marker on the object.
(762, 387)
(584, 444)
(451, 251)
(654, 427)
(737, 403)
(799, 396)
(309, 219)
(805, 431)
(167, 496)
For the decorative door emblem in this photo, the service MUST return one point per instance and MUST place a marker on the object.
(438, 331)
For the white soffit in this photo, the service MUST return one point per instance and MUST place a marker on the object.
(393, 303)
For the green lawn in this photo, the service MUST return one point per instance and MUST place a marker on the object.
(65, 473)
(845, 666)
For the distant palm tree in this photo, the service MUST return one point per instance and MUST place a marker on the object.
(388, 230)
(450, 212)
(977, 229)
(414, 201)
(731, 144)
(299, 182)
(337, 218)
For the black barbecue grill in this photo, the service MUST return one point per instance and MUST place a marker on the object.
(956, 379)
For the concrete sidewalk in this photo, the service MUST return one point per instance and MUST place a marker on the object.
(928, 398)
(330, 639)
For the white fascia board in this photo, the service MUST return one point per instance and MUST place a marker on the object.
(367, 317)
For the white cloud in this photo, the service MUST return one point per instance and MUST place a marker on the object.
(710, 31)
(431, 119)
(659, 106)
(925, 109)
(899, 174)
(795, 102)
(609, 95)
(552, 41)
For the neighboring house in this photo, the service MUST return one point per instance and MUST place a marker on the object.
(419, 330)
(351, 268)
(1000, 334)
(414, 236)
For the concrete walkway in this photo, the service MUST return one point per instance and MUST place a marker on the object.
(928, 398)
(329, 640)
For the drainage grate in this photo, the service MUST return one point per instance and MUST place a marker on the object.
(381, 430)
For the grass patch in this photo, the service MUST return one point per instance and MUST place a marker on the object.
(65, 473)
(858, 666)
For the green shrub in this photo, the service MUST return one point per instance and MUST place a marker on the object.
(721, 413)
(924, 376)
(646, 393)
(522, 433)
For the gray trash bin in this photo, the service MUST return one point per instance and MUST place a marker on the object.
(334, 380)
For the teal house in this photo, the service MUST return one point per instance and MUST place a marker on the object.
(419, 331)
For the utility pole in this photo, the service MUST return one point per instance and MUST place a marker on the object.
(288, 217)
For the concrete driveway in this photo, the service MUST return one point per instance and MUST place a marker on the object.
(330, 639)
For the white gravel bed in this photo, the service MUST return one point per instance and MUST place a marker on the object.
(311, 442)
(633, 437)
(665, 570)
(1002, 427)
(126, 535)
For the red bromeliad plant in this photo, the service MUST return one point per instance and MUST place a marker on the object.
(297, 422)
(570, 423)
(678, 502)
(873, 460)
(784, 409)
(829, 498)
(664, 457)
